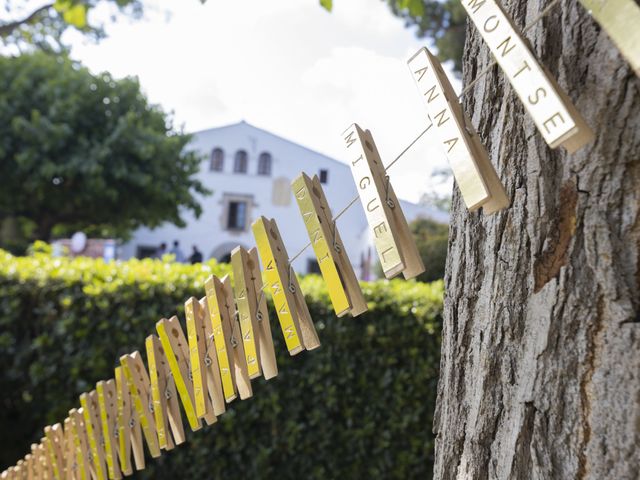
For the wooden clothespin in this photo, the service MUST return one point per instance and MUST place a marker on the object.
(28, 463)
(343, 286)
(108, 402)
(477, 179)
(46, 468)
(208, 396)
(225, 330)
(550, 108)
(89, 402)
(165, 396)
(139, 387)
(81, 444)
(55, 449)
(258, 345)
(69, 451)
(210, 359)
(35, 459)
(394, 243)
(293, 313)
(265, 340)
(175, 348)
(129, 429)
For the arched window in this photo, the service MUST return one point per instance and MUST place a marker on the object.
(264, 164)
(216, 164)
(240, 162)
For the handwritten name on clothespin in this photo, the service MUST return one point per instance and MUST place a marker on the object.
(207, 395)
(344, 290)
(166, 410)
(233, 368)
(291, 308)
(476, 178)
(139, 387)
(620, 19)
(258, 347)
(80, 441)
(107, 402)
(394, 243)
(89, 402)
(129, 429)
(550, 108)
(175, 344)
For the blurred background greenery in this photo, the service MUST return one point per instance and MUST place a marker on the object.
(359, 406)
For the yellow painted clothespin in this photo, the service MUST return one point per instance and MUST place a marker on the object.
(165, 396)
(81, 444)
(139, 387)
(258, 348)
(175, 348)
(209, 403)
(293, 313)
(89, 403)
(108, 402)
(55, 449)
(475, 175)
(225, 329)
(343, 286)
(129, 428)
(550, 108)
(394, 243)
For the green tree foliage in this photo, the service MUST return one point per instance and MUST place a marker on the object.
(360, 406)
(84, 151)
(42, 24)
(442, 21)
(432, 239)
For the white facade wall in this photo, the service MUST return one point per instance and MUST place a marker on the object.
(210, 232)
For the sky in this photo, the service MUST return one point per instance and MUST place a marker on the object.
(287, 66)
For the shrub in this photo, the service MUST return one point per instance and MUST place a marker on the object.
(360, 406)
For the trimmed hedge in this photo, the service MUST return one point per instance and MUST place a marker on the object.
(360, 406)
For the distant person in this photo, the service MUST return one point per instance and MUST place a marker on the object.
(162, 250)
(196, 256)
(177, 252)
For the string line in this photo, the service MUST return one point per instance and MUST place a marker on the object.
(543, 13)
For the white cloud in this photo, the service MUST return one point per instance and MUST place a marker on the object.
(285, 65)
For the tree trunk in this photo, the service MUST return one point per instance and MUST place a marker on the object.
(540, 369)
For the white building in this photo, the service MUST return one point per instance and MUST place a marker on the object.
(250, 172)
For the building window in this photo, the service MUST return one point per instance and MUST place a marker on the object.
(240, 162)
(216, 164)
(324, 176)
(264, 164)
(237, 215)
(313, 266)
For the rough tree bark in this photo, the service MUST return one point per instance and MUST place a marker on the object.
(540, 369)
